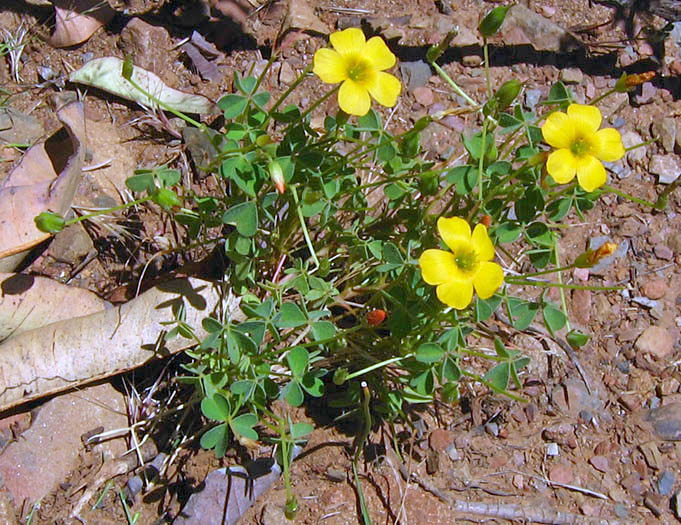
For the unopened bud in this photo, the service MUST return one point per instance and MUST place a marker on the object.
(591, 257)
(628, 82)
(50, 222)
(277, 176)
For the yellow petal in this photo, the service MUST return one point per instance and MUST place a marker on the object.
(586, 119)
(385, 88)
(376, 52)
(482, 243)
(606, 144)
(353, 98)
(457, 294)
(349, 41)
(590, 173)
(562, 166)
(329, 66)
(558, 130)
(488, 279)
(454, 231)
(437, 266)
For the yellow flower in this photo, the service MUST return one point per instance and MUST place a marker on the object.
(467, 266)
(580, 146)
(359, 65)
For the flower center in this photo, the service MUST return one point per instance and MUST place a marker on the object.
(358, 69)
(466, 260)
(580, 147)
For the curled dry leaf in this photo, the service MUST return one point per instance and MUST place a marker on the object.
(106, 74)
(77, 20)
(28, 302)
(76, 351)
(33, 187)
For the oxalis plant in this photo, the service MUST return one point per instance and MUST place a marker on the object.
(363, 269)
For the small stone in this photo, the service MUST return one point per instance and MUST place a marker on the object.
(415, 74)
(518, 481)
(581, 274)
(424, 95)
(600, 463)
(654, 289)
(440, 439)
(663, 252)
(665, 482)
(532, 97)
(454, 453)
(655, 503)
(676, 504)
(621, 511)
(632, 483)
(547, 11)
(656, 341)
(335, 475)
(472, 60)
(552, 449)
(492, 429)
(581, 306)
(665, 130)
(286, 74)
(666, 167)
(571, 75)
(648, 93)
(644, 301)
(665, 421)
(561, 474)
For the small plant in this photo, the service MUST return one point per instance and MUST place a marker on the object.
(335, 236)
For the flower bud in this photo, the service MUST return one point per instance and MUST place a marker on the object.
(591, 257)
(49, 222)
(628, 82)
(277, 176)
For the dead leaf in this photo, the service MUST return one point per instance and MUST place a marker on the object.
(301, 16)
(77, 20)
(69, 353)
(106, 74)
(28, 302)
(33, 187)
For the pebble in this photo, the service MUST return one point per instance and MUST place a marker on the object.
(415, 74)
(665, 130)
(644, 301)
(656, 341)
(600, 463)
(648, 93)
(532, 97)
(424, 95)
(561, 474)
(665, 483)
(663, 252)
(547, 11)
(676, 504)
(492, 429)
(472, 60)
(630, 139)
(552, 449)
(286, 74)
(654, 289)
(440, 439)
(621, 511)
(571, 75)
(666, 421)
(454, 453)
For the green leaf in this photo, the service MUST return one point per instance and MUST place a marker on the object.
(559, 208)
(217, 438)
(493, 20)
(554, 319)
(140, 183)
(298, 430)
(507, 232)
(293, 394)
(323, 330)
(522, 313)
(216, 407)
(391, 254)
(429, 353)
(243, 425)
(260, 99)
(290, 316)
(246, 84)
(529, 205)
(245, 216)
(298, 359)
(473, 145)
(539, 234)
(49, 222)
(211, 325)
(508, 92)
(312, 385)
(370, 121)
(166, 198)
(499, 376)
(232, 105)
(558, 94)
(500, 349)
(450, 370)
(484, 308)
(576, 339)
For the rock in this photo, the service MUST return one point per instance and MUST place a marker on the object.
(286, 74)
(654, 288)
(71, 245)
(532, 97)
(547, 11)
(656, 341)
(600, 463)
(454, 453)
(440, 439)
(148, 44)
(665, 130)
(466, 37)
(676, 504)
(632, 483)
(665, 421)
(665, 482)
(644, 301)
(561, 473)
(581, 306)
(415, 74)
(40, 460)
(552, 449)
(663, 252)
(648, 94)
(524, 26)
(654, 503)
(571, 75)
(471, 60)
(424, 95)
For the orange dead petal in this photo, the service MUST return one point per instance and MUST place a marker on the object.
(376, 317)
(486, 221)
(638, 79)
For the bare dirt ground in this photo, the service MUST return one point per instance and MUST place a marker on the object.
(586, 451)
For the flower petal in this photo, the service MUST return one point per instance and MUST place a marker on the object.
(353, 98)
(482, 243)
(590, 173)
(488, 279)
(606, 144)
(329, 66)
(376, 52)
(454, 231)
(457, 294)
(586, 119)
(437, 266)
(558, 130)
(349, 41)
(385, 88)
(562, 166)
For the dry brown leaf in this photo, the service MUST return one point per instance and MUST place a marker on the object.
(28, 302)
(77, 20)
(301, 16)
(33, 187)
(76, 351)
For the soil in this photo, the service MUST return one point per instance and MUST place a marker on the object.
(580, 450)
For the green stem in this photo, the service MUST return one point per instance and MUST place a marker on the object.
(485, 53)
(366, 413)
(108, 210)
(481, 162)
(563, 302)
(543, 284)
(453, 84)
(375, 366)
(306, 234)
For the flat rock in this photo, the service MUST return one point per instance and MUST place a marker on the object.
(666, 167)
(654, 288)
(600, 463)
(655, 340)
(665, 421)
(415, 74)
(42, 457)
(524, 26)
(561, 473)
(665, 130)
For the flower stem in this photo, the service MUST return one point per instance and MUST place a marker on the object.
(306, 234)
(624, 195)
(453, 84)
